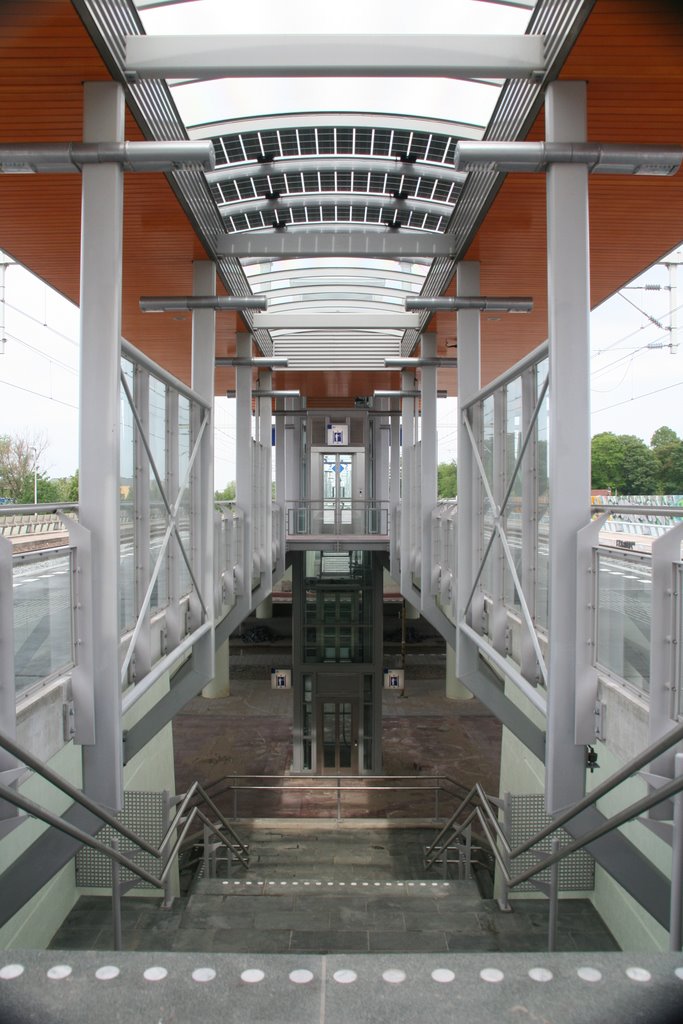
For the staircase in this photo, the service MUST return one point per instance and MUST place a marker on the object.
(341, 888)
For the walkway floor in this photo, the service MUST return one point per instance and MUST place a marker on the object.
(316, 885)
(340, 889)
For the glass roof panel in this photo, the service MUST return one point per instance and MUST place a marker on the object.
(305, 154)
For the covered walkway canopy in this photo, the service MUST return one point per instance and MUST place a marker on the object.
(339, 195)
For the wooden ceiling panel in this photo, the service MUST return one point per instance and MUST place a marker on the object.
(630, 53)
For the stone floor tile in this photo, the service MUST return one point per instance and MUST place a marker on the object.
(403, 942)
(329, 941)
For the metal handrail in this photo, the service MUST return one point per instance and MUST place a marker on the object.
(12, 796)
(660, 795)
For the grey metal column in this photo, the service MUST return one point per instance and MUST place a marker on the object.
(395, 517)
(244, 464)
(203, 370)
(99, 471)
(265, 428)
(428, 483)
(280, 485)
(407, 482)
(469, 382)
(569, 451)
(666, 551)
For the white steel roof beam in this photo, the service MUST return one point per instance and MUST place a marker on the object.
(311, 242)
(376, 200)
(325, 56)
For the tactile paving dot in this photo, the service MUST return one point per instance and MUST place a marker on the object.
(589, 974)
(59, 971)
(107, 972)
(345, 977)
(394, 976)
(491, 974)
(443, 974)
(252, 975)
(203, 974)
(301, 977)
(10, 971)
(540, 974)
(638, 974)
(155, 974)
(679, 973)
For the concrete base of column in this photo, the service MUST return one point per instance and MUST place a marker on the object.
(265, 609)
(220, 684)
(455, 690)
(411, 611)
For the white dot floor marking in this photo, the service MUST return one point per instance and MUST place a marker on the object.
(59, 971)
(443, 975)
(491, 974)
(540, 974)
(394, 976)
(10, 971)
(589, 974)
(203, 974)
(344, 977)
(638, 974)
(252, 975)
(679, 973)
(155, 974)
(301, 977)
(107, 972)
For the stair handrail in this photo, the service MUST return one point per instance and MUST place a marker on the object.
(653, 799)
(15, 798)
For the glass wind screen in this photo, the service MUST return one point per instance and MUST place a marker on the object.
(42, 612)
(624, 618)
(127, 571)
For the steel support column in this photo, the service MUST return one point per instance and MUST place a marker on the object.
(244, 466)
(99, 471)
(569, 452)
(407, 484)
(428, 472)
(395, 517)
(203, 369)
(469, 382)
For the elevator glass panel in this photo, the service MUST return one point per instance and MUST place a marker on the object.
(337, 492)
(339, 741)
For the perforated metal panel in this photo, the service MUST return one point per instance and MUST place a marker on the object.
(527, 817)
(143, 813)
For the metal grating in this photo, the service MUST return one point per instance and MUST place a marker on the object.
(143, 812)
(527, 817)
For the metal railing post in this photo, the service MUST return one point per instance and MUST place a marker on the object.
(436, 799)
(166, 819)
(207, 856)
(338, 799)
(504, 898)
(234, 801)
(676, 913)
(553, 896)
(116, 899)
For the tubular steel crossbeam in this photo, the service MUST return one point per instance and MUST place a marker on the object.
(360, 163)
(317, 55)
(171, 528)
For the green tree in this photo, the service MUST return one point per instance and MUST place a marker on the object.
(227, 494)
(639, 471)
(447, 480)
(19, 455)
(662, 436)
(606, 461)
(669, 458)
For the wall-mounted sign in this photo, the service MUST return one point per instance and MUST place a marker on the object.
(394, 678)
(281, 678)
(337, 433)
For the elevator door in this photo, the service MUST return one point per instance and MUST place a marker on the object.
(338, 737)
(337, 492)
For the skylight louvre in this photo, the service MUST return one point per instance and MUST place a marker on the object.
(279, 141)
(260, 142)
(410, 143)
(225, 152)
(298, 142)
